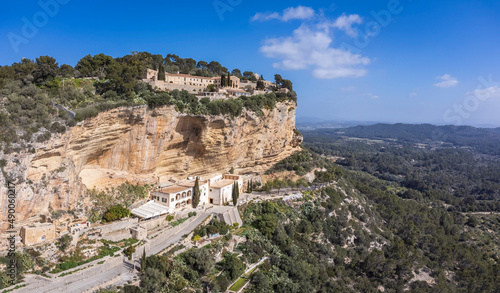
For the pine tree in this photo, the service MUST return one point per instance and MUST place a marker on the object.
(260, 84)
(196, 193)
(251, 185)
(161, 72)
(143, 260)
(236, 193)
(237, 190)
(223, 81)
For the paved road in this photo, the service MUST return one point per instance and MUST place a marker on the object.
(114, 271)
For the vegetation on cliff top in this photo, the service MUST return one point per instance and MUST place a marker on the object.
(36, 96)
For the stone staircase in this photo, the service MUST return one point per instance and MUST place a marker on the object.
(230, 217)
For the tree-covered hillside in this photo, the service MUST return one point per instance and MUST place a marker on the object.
(463, 173)
(37, 96)
(483, 140)
(357, 235)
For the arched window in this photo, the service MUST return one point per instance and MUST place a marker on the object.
(183, 195)
(178, 196)
(189, 193)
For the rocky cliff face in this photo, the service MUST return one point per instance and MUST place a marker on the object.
(145, 146)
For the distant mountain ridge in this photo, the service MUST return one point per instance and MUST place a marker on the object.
(484, 140)
(309, 123)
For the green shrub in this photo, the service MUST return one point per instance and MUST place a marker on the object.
(57, 127)
(115, 213)
(43, 137)
(64, 242)
(129, 251)
(85, 113)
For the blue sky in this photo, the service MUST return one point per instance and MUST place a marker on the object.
(418, 62)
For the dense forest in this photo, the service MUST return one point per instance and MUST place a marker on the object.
(37, 95)
(484, 141)
(461, 167)
(357, 235)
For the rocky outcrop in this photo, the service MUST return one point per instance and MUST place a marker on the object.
(146, 146)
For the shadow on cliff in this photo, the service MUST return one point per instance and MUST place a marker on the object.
(191, 128)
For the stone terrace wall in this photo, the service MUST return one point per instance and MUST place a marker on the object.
(124, 224)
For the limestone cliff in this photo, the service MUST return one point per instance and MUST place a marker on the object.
(146, 146)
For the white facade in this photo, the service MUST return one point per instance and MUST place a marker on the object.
(203, 190)
(214, 178)
(216, 189)
(173, 196)
(221, 188)
(221, 195)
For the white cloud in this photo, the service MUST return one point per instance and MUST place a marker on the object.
(299, 12)
(312, 48)
(311, 45)
(265, 16)
(348, 89)
(412, 94)
(345, 22)
(447, 81)
(487, 93)
(372, 96)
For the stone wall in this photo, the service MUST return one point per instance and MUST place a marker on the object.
(190, 88)
(115, 226)
(139, 232)
(152, 224)
(38, 234)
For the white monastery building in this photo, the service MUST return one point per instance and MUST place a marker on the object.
(216, 190)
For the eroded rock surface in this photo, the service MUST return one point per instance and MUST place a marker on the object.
(144, 146)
